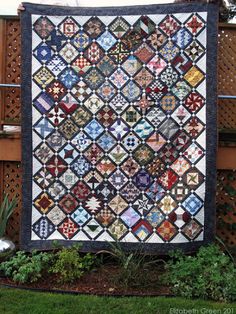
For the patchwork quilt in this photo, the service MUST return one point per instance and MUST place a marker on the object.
(119, 126)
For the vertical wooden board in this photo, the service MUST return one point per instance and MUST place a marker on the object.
(2, 69)
(12, 186)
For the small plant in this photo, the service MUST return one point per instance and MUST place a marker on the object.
(134, 267)
(209, 274)
(25, 267)
(6, 209)
(70, 265)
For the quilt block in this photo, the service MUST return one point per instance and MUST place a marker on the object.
(119, 126)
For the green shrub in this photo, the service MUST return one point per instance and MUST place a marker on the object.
(209, 274)
(67, 263)
(70, 265)
(25, 267)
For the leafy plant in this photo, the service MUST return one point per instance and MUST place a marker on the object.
(26, 268)
(67, 263)
(6, 209)
(134, 267)
(70, 265)
(209, 274)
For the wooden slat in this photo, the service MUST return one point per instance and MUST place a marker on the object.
(226, 158)
(10, 149)
(227, 25)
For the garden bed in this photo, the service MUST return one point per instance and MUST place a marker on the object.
(208, 274)
(101, 281)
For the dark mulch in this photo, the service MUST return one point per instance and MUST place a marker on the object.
(105, 280)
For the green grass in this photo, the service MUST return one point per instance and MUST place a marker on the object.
(14, 301)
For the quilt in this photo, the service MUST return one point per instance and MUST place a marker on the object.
(119, 126)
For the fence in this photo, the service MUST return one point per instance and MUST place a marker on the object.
(10, 148)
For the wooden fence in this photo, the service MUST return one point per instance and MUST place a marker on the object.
(10, 147)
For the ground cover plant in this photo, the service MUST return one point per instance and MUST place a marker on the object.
(24, 267)
(210, 274)
(67, 263)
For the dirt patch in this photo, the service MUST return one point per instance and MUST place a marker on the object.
(104, 280)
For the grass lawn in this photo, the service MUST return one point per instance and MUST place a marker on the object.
(14, 301)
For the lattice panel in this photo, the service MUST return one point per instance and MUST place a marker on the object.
(226, 207)
(12, 71)
(13, 51)
(227, 76)
(226, 61)
(12, 185)
(227, 114)
(12, 105)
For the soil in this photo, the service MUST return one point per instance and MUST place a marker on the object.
(105, 280)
